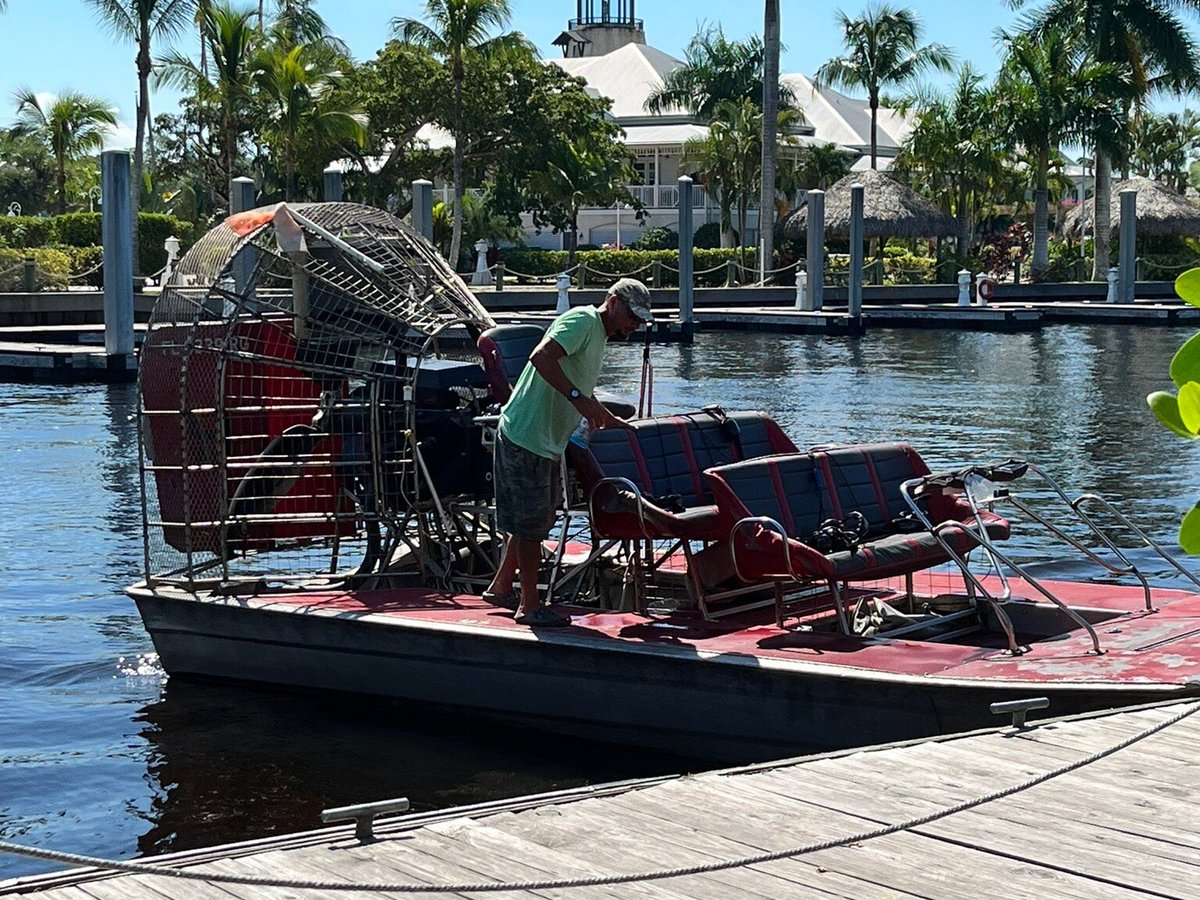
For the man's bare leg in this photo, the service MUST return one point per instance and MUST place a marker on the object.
(506, 572)
(528, 560)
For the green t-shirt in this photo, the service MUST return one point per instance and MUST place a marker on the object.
(536, 416)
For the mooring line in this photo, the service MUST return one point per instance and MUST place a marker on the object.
(137, 868)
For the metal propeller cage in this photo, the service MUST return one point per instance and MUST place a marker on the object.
(277, 389)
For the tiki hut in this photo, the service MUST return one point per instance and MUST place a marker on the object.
(1160, 210)
(890, 209)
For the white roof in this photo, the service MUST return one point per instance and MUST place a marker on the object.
(629, 74)
(626, 76)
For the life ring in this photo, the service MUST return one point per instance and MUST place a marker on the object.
(986, 288)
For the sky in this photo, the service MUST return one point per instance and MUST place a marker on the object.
(52, 45)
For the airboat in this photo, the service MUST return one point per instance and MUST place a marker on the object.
(317, 399)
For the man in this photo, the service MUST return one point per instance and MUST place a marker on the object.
(552, 394)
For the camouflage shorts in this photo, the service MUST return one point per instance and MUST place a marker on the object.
(527, 491)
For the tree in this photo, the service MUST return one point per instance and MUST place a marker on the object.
(230, 36)
(1163, 146)
(883, 51)
(305, 107)
(770, 109)
(1047, 89)
(70, 126)
(27, 172)
(143, 22)
(459, 29)
(715, 69)
(955, 151)
(1146, 36)
(576, 176)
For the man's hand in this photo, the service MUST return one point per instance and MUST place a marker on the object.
(597, 414)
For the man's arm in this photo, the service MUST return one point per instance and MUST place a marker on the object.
(545, 359)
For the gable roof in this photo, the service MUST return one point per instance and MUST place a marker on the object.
(626, 76)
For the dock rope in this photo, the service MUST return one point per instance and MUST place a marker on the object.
(404, 887)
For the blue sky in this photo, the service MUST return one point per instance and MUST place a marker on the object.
(49, 45)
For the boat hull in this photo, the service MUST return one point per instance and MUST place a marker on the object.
(720, 706)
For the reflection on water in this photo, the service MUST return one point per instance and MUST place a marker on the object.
(99, 755)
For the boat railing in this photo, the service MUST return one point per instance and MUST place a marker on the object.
(979, 488)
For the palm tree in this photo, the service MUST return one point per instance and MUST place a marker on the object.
(883, 51)
(1149, 38)
(1163, 145)
(143, 22)
(715, 69)
(72, 125)
(1047, 88)
(229, 36)
(578, 175)
(458, 29)
(305, 107)
(955, 150)
(770, 107)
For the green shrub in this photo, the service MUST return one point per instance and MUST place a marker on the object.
(656, 239)
(85, 264)
(154, 229)
(898, 268)
(707, 236)
(605, 266)
(27, 231)
(53, 269)
(79, 229)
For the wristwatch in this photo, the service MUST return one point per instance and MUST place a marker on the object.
(574, 394)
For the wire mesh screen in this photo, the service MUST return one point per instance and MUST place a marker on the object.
(277, 387)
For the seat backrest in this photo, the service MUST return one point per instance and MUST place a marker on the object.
(866, 478)
(504, 350)
(668, 454)
(786, 488)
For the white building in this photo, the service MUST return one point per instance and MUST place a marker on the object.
(605, 45)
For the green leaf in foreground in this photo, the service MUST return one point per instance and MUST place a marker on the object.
(1189, 406)
(1187, 286)
(1185, 365)
(1166, 408)
(1189, 531)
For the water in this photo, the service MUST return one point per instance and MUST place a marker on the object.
(100, 754)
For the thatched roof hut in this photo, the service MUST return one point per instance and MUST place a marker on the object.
(1160, 210)
(890, 209)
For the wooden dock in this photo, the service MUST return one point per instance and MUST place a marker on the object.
(1124, 826)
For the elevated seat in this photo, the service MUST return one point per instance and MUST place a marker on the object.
(772, 511)
(648, 482)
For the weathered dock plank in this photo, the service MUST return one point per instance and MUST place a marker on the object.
(1121, 827)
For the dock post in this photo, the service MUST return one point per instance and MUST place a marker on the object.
(964, 287)
(242, 196)
(816, 249)
(331, 182)
(499, 276)
(856, 250)
(801, 289)
(564, 293)
(656, 273)
(116, 228)
(29, 274)
(1128, 240)
(1113, 276)
(422, 208)
(686, 279)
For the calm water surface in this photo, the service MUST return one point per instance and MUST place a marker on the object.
(100, 754)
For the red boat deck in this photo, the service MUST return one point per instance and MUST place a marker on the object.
(1141, 648)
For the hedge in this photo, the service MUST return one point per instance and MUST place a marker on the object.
(84, 230)
(604, 266)
(53, 269)
(27, 231)
(898, 268)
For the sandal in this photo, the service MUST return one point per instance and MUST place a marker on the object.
(507, 600)
(543, 617)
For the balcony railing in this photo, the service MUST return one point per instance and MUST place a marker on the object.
(665, 196)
